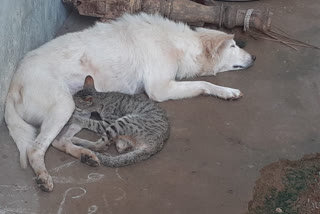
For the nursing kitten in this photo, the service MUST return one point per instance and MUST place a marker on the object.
(136, 124)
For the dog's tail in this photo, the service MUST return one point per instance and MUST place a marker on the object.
(22, 133)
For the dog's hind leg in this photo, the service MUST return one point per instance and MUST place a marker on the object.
(52, 124)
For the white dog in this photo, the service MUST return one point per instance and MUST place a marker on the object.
(133, 54)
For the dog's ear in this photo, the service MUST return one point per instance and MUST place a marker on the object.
(212, 44)
(89, 83)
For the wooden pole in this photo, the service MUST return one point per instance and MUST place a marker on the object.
(181, 10)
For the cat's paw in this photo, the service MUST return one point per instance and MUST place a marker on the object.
(124, 144)
(105, 142)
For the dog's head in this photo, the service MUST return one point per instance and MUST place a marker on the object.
(221, 53)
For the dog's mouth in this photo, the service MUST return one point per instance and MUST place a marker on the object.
(242, 67)
(238, 66)
(248, 63)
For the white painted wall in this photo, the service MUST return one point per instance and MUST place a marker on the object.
(25, 25)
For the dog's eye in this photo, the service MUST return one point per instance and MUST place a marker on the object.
(233, 46)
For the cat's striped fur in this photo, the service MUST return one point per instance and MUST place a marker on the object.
(136, 124)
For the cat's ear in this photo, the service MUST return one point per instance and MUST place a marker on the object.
(89, 83)
(88, 100)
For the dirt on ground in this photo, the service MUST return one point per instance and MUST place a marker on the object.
(288, 187)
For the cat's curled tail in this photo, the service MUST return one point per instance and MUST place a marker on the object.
(140, 154)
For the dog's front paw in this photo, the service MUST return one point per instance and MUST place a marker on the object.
(89, 158)
(45, 182)
(230, 94)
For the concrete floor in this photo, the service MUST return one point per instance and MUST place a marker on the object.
(216, 148)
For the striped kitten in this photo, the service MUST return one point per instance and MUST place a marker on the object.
(136, 124)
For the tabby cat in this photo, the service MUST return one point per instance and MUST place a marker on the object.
(134, 123)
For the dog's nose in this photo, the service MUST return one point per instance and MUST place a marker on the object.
(253, 57)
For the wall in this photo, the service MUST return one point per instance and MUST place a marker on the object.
(25, 25)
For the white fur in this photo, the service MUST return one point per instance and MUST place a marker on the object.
(132, 54)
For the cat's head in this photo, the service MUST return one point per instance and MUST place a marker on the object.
(85, 99)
